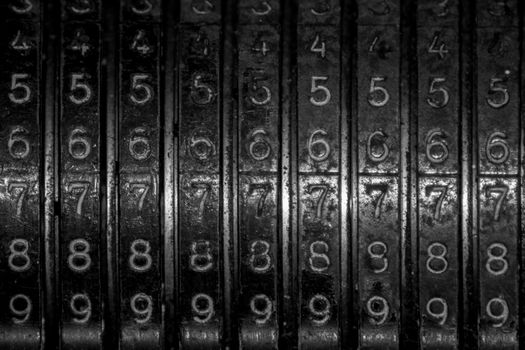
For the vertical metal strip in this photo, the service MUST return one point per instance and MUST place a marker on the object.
(170, 168)
(229, 180)
(467, 311)
(109, 150)
(288, 157)
(50, 195)
(354, 171)
(521, 185)
(345, 86)
(408, 189)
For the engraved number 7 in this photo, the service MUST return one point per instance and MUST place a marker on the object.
(502, 191)
(383, 188)
(442, 190)
(322, 197)
(24, 186)
(206, 188)
(266, 188)
(140, 187)
(84, 187)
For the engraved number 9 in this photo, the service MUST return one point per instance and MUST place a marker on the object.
(442, 315)
(378, 309)
(500, 306)
(20, 306)
(262, 307)
(81, 307)
(202, 306)
(319, 306)
(142, 306)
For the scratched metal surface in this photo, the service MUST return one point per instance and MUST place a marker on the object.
(262, 174)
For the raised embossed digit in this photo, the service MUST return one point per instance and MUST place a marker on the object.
(259, 147)
(318, 259)
(498, 96)
(377, 251)
(263, 189)
(18, 144)
(206, 189)
(139, 143)
(383, 191)
(436, 147)
(378, 310)
(318, 46)
(79, 91)
(497, 264)
(201, 93)
(260, 260)
(203, 308)
(501, 192)
(141, 92)
(498, 310)
(20, 90)
(20, 43)
(441, 315)
(201, 259)
(435, 89)
(442, 191)
(376, 148)
(325, 92)
(79, 259)
(23, 187)
(438, 47)
(140, 259)
(262, 307)
(80, 305)
(323, 189)
(497, 149)
(319, 306)
(437, 253)
(142, 306)
(200, 146)
(140, 43)
(322, 147)
(142, 189)
(18, 259)
(378, 96)
(81, 188)
(20, 306)
(79, 145)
